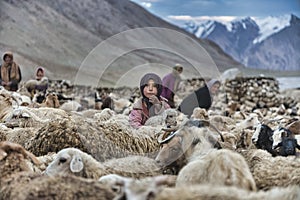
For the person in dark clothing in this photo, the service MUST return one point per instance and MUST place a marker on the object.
(203, 98)
(10, 73)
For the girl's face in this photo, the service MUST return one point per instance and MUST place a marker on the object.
(39, 75)
(150, 89)
(7, 59)
(215, 88)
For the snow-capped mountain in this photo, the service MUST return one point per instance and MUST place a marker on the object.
(266, 43)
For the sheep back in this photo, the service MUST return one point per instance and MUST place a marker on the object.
(271, 171)
(133, 166)
(34, 186)
(55, 136)
(218, 167)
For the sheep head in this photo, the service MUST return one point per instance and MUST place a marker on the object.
(200, 113)
(263, 138)
(169, 116)
(67, 161)
(289, 146)
(279, 134)
(181, 145)
(51, 100)
(143, 189)
(261, 131)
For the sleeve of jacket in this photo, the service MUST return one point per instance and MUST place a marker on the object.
(20, 74)
(0, 74)
(164, 106)
(135, 118)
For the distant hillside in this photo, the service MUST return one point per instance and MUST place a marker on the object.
(271, 43)
(59, 34)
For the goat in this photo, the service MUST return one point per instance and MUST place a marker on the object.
(263, 138)
(288, 144)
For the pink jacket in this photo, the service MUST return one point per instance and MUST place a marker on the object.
(139, 114)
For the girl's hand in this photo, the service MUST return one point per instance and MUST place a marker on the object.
(154, 100)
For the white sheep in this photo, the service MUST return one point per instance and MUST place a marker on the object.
(73, 161)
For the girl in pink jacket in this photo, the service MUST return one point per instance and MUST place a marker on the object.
(151, 103)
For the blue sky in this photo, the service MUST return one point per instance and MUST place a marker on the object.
(179, 10)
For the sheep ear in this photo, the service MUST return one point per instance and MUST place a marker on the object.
(76, 164)
(196, 141)
(3, 154)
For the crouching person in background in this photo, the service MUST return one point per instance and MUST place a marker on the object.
(38, 87)
(10, 75)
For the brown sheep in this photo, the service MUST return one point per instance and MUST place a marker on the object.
(12, 160)
(204, 163)
(271, 171)
(213, 192)
(17, 181)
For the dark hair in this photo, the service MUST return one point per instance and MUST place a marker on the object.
(155, 78)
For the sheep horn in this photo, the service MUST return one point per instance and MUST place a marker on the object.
(3, 154)
(169, 137)
(222, 138)
(175, 128)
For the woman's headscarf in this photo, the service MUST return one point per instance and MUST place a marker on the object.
(212, 82)
(37, 70)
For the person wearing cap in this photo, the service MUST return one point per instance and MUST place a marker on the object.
(203, 97)
(151, 103)
(10, 73)
(170, 84)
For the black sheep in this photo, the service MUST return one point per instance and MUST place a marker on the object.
(288, 144)
(262, 139)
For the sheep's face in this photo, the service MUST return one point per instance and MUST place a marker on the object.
(52, 100)
(250, 122)
(262, 136)
(65, 163)
(289, 146)
(170, 117)
(279, 134)
(169, 152)
(200, 113)
(143, 189)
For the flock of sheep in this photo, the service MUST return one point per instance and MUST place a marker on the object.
(64, 148)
